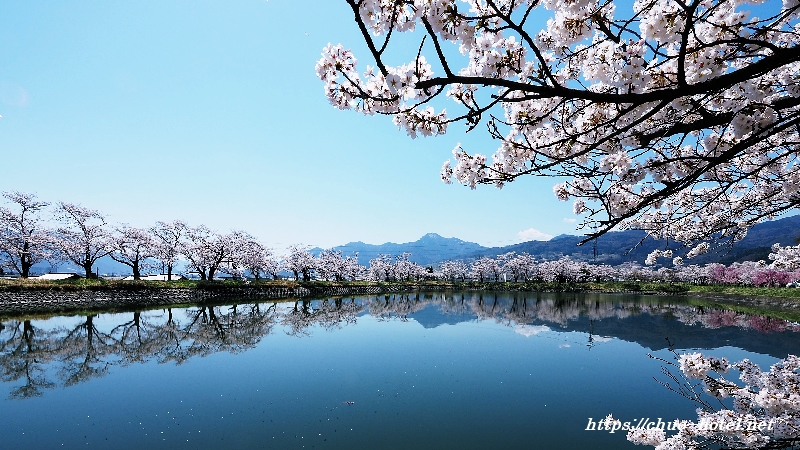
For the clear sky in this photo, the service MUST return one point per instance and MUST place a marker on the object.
(210, 112)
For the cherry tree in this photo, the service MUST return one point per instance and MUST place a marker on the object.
(748, 270)
(24, 240)
(168, 239)
(563, 270)
(83, 237)
(331, 265)
(407, 270)
(381, 268)
(300, 261)
(352, 269)
(769, 397)
(206, 251)
(454, 270)
(787, 258)
(680, 118)
(133, 247)
(253, 256)
(602, 272)
(694, 274)
(273, 267)
(484, 268)
(521, 266)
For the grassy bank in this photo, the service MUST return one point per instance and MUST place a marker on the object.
(610, 286)
(20, 284)
(783, 303)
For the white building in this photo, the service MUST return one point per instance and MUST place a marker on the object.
(160, 277)
(57, 276)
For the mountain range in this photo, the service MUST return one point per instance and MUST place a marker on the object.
(614, 248)
(427, 250)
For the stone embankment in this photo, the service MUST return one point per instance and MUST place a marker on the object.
(56, 300)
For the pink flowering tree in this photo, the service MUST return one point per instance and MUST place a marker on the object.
(133, 247)
(251, 255)
(787, 258)
(677, 118)
(206, 251)
(765, 410)
(352, 269)
(407, 270)
(331, 265)
(244, 254)
(771, 278)
(484, 269)
(24, 239)
(300, 262)
(381, 268)
(83, 236)
(168, 238)
(454, 270)
(519, 267)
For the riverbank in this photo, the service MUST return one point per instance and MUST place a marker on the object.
(29, 296)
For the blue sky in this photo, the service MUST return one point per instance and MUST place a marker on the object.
(210, 112)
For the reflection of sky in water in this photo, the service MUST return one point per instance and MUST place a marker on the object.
(445, 381)
(530, 330)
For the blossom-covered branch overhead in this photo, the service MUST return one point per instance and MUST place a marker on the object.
(678, 118)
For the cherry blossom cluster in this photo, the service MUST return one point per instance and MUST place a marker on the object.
(388, 91)
(332, 265)
(80, 235)
(563, 312)
(24, 239)
(765, 412)
(519, 267)
(787, 258)
(524, 267)
(677, 118)
(397, 268)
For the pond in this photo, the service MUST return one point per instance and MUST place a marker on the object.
(466, 370)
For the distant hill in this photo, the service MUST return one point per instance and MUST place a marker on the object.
(427, 250)
(617, 247)
(613, 248)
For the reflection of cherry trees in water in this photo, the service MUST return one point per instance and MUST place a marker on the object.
(398, 306)
(21, 348)
(81, 352)
(39, 358)
(212, 330)
(330, 314)
(525, 308)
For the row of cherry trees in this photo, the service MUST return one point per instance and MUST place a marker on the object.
(524, 267)
(82, 236)
(33, 232)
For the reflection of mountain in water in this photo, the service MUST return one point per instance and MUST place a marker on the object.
(647, 321)
(652, 331)
(432, 317)
(42, 356)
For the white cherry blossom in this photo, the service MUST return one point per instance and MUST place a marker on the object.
(680, 119)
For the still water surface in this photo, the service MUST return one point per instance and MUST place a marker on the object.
(430, 371)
